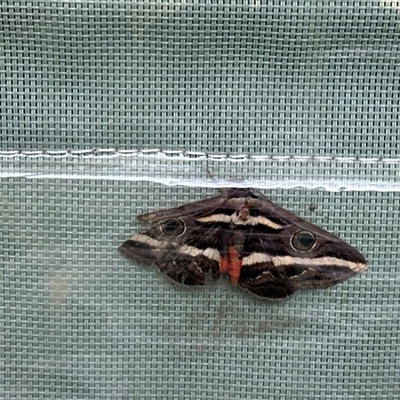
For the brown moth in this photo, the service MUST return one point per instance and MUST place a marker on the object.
(261, 246)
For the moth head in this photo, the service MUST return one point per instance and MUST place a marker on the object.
(303, 240)
(173, 227)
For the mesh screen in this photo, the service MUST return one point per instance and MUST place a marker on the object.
(111, 109)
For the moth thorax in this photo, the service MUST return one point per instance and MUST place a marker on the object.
(244, 212)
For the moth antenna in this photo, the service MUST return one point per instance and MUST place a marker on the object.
(210, 175)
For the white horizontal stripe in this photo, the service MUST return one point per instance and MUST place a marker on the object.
(147, 240)
(258, 258)
(210, 253)
(192, 251)
(235, 219)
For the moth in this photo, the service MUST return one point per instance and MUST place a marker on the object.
(261, 246)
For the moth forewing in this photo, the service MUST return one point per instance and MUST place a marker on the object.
(261, 246)
(192, 209)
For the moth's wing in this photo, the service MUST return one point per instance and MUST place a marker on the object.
(272, 267)
(202, 207)
(191, 257)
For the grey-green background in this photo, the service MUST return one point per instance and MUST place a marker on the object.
(110, 109)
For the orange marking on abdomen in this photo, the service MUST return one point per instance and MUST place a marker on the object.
(224, 264)
(231, 264)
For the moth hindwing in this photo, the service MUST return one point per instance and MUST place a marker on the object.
(261, 246)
